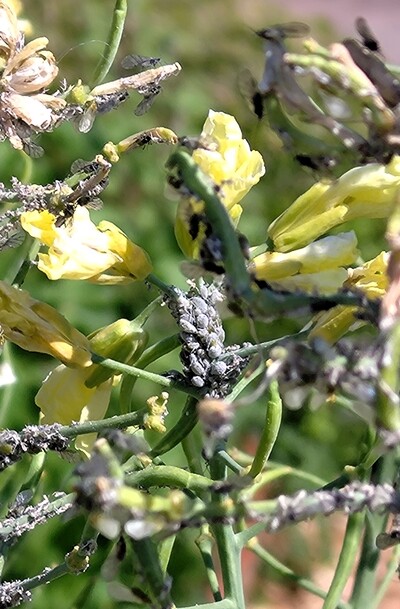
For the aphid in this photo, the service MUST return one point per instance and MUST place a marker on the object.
(146, 83)
(147, 101)
(139, 61)
(368, 38)
(86, 121)
(274, 67)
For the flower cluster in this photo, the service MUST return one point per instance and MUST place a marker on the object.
(226, 158)
(80, 250)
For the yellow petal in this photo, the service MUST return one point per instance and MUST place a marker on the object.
(79, 250)
(40, 225)
(36, 326)
(64, 398)
(363, 192)
(327, 253)
(227, 159)
(323, 282)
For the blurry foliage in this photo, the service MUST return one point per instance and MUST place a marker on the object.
(213, 41)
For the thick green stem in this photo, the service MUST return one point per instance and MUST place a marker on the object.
(366, 575)
(112, 44)
(168, 475)
(200, 185)
(205, 544)
(156, 585)
(229, 551)
(388, 410)
(346, 560)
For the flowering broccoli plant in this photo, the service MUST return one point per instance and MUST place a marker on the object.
(141, 466)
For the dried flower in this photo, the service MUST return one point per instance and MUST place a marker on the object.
(80, 250)
(26, 71)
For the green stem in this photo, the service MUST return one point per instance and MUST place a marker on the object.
(46, 576)
(22, 263)
(366, 575)
(350, 547)
(229, 551)
(255, 349)
(112, 44)
(156, 587)
(192, 446)
(49, 511)
(205, 544)
(8, 391)
(388, 412)
(283, 570)
(229, 461)
(167, 289)
(150, 355)
(226, 603)
(168, 475)
(118, 422)
(200, 185)
(270, 431)
(159, 349)
(148, 376)
(391, 569)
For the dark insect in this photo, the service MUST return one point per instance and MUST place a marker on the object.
(365, 56)
(149, 95)
(280, 31)
(248, 87)
(193, 143)
(139, 61)
(368, 38)
(315, 162)
(211, 255)
(150, 92)
(91, 179)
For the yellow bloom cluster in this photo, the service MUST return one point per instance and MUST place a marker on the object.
(80, 250)
(369, 191)
(363, 192)
(226, 157)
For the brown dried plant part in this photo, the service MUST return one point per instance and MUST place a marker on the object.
(26, 71)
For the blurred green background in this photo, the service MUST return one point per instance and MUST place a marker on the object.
(213, 40)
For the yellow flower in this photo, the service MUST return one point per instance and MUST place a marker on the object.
(83, 394)
(80, 250)
(370, 278)
(26, 70)
(36, 326)
(362, 192)
(227, 159)
(64, 398)
(316, 268)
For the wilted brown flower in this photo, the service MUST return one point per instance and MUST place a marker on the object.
(26, 71)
